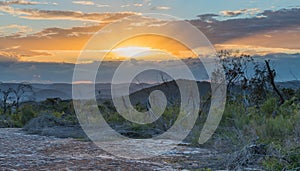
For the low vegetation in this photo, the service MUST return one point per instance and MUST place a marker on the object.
(260, 125)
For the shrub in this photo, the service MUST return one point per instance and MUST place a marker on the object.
(278, 128)
(269, 106)
(16, 117)
(280, 158)
(27, 114)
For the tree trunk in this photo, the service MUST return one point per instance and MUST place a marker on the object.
(272, 81)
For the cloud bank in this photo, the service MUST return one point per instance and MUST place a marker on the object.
(251, 11)
(21, 2)
(35, 14)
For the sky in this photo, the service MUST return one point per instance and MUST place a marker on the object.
(46, 37)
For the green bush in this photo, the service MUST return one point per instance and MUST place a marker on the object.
(27, 114)
(71, 119)
(271, 123)
(289, 108)
(236, 115)
(278, 128)
(57, 114)
(16, 117)
(269, 106)
(281, 158)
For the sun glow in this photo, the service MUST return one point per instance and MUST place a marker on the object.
(149, 47)
(131, 51)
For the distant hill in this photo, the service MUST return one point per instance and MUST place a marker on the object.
(64, 90)
(171, 91)
(139, 92)
(290, 84)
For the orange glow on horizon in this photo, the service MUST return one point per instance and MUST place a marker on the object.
(149, 46)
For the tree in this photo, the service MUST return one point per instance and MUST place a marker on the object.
(13, 96)
(5, 97)
(235, 66)
(271, 76)
(255, 79)
(23, 91)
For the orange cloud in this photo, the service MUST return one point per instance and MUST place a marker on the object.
(284, 40)
(161, 8)
(35, 14)
(84, 2)
(18, 54)
(251, 35)
(14, 29)
(251, 11)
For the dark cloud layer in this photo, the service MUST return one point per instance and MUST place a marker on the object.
(225, 30)
(217, 31)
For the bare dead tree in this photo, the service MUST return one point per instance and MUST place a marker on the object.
(23, 91)
(5, 97)
(271, 75)
(164, 78)
(14, 96)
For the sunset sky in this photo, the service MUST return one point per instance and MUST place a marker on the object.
(52, 33)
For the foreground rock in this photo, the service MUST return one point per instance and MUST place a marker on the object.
(20, 151)
(49, 125)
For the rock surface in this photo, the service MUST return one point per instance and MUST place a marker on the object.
(20, 151)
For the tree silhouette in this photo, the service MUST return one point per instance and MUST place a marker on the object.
(255, 79)
(13, 96)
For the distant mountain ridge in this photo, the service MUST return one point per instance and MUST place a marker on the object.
(290, 84)
(64, 90)
(138, 91)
